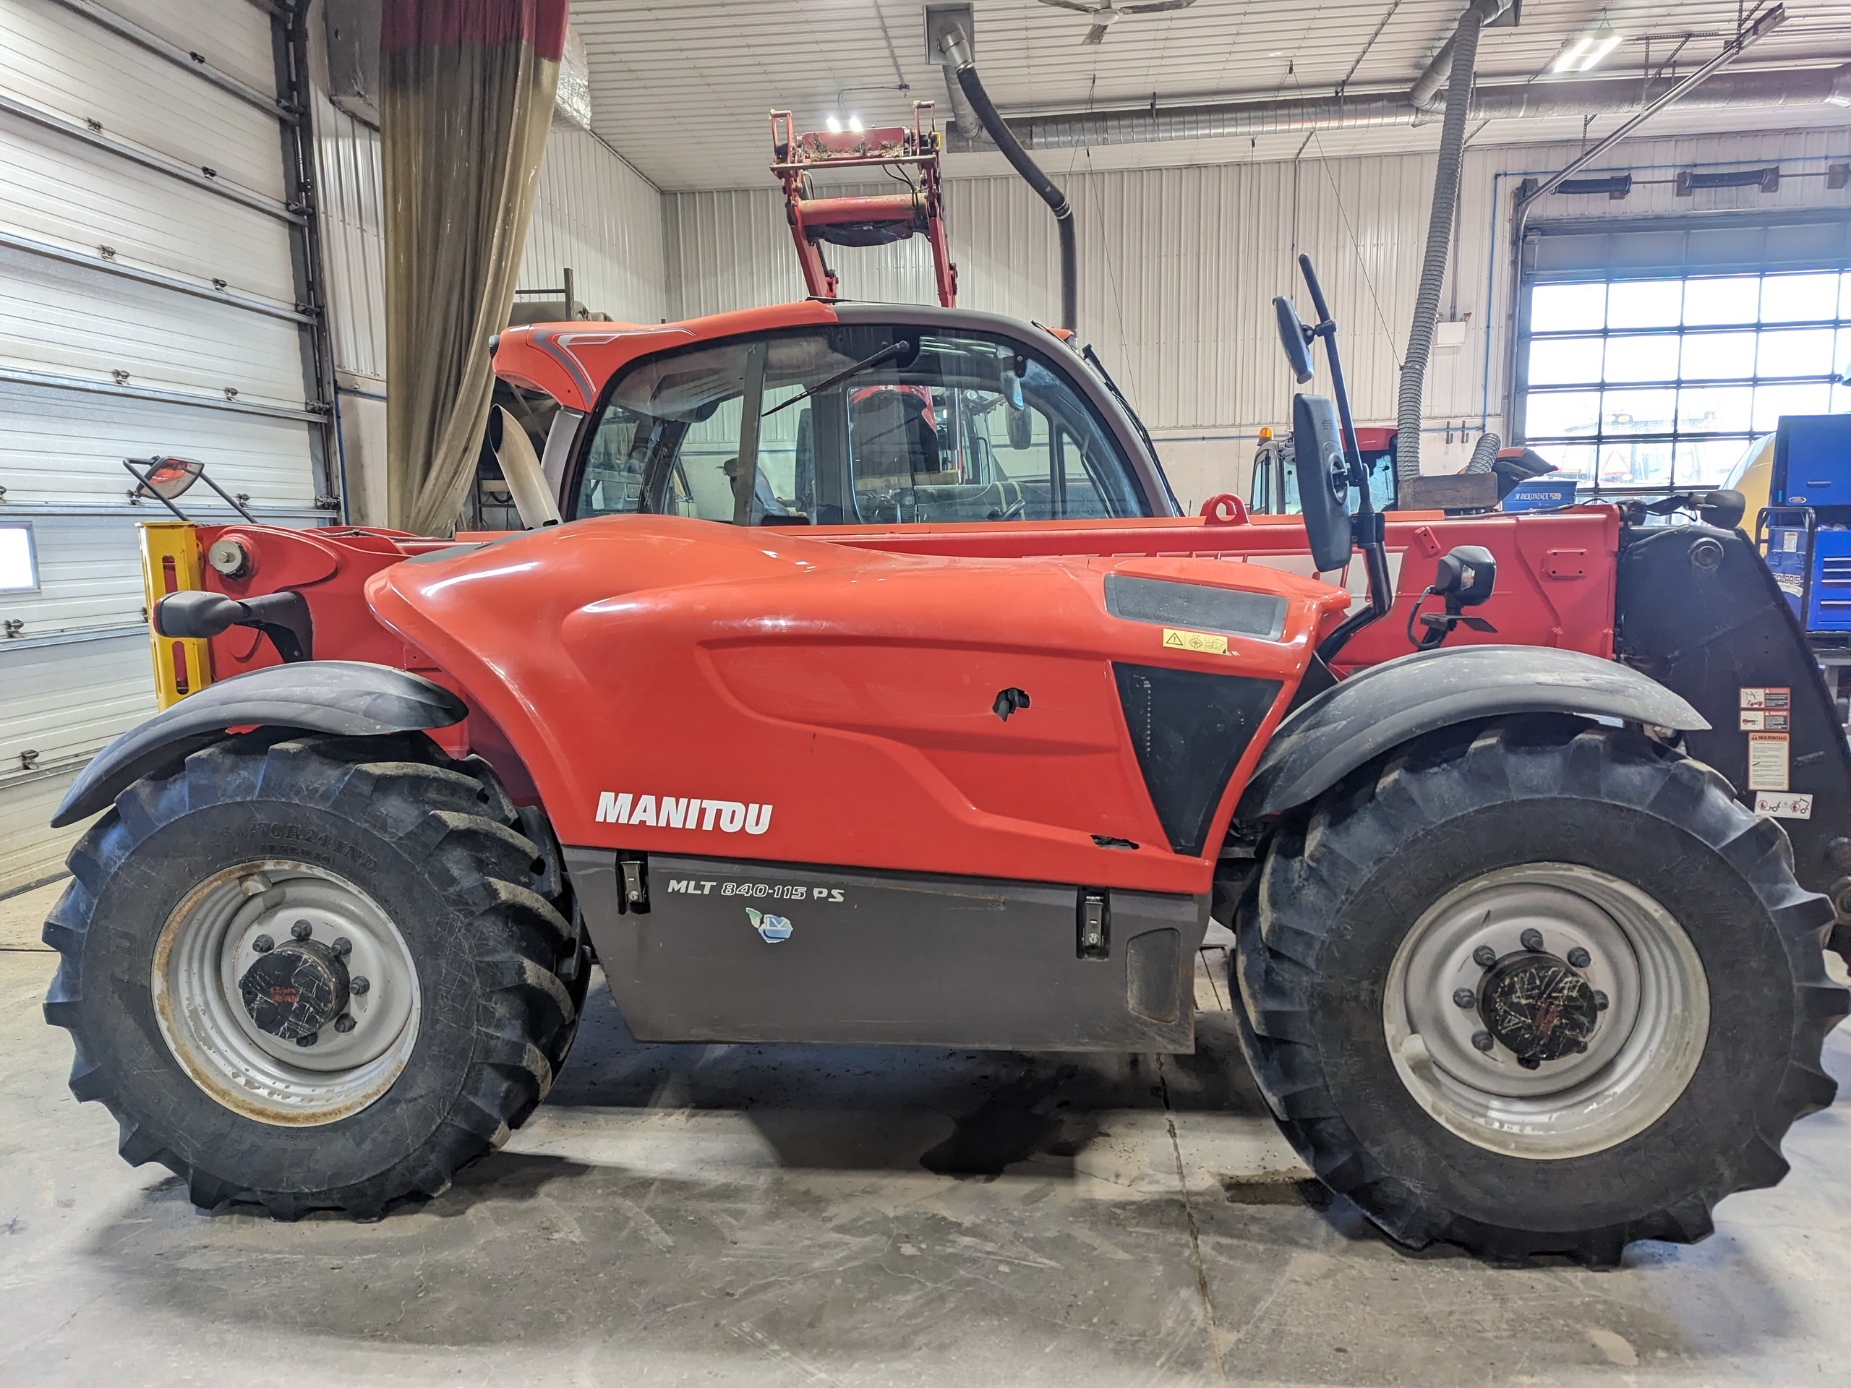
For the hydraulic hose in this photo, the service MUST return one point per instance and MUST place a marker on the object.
(959, 60)
(1464, 45)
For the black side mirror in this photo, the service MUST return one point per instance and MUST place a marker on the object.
(1323, 479)
(1464, 577)
(1294, 338)
(1723, 509)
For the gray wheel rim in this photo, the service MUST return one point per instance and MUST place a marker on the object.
(208, 942)
(1638, 1060)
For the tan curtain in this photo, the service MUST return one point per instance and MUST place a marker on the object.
(466, 99)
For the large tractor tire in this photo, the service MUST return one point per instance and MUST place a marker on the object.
(316, 972)
(1536, 986)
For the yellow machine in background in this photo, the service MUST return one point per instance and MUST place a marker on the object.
(1753, 477)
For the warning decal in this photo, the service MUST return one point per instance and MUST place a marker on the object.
(1767, 761)
(1203, 642)
(1766, 698)
(1760, 720)
(1788, 806)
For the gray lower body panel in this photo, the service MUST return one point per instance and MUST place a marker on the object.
(760, 952)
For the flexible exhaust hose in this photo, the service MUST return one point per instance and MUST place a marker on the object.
(1484, 452)
(1439, 235)
(955, 45)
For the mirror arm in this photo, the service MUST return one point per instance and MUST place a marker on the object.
(1368, 530)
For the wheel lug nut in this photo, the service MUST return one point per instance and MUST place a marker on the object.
(263, 944)
(358, 986)
(1464, 997)
(1579, 957)
(342, 946)
(1529, 1062)
(1531, 940)
(1482, 1040)
(1484, 956)
(1600, 1001)
(345, 1023)
(301, 930)
(309, 1040)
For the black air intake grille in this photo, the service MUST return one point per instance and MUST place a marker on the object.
(1190, 730)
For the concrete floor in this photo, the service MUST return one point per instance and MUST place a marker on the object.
(728, 1214)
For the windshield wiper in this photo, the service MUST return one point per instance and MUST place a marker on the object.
(886, 354)
(1092, 359)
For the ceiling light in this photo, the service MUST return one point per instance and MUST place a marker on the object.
(854, 124)
(834, 125)
(1588, 48)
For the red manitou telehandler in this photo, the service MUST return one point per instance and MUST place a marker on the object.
(859, 683)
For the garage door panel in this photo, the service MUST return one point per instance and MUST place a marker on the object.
(57, 60)
(60, 445)
(71, 320)
(60, 191)
(232, 35)
(89, 572)
(70, 698)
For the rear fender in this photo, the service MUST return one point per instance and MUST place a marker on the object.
(1390, 704)
(342, 697)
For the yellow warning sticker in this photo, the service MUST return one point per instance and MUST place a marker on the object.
(1201, 642)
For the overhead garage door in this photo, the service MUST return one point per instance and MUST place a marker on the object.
(157, 295)
(1652, 353)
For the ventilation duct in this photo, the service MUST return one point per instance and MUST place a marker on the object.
(1511, 100)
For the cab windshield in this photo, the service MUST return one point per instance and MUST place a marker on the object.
(853, 425)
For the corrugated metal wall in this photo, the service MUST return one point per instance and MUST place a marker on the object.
(1179, 267)
(604, 219)
(592, 212)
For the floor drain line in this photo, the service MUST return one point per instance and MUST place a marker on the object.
(1195, 1232)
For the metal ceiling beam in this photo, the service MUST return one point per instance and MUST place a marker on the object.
(1506, 100)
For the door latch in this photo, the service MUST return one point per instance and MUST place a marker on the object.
(635, 885)
(1095, 940)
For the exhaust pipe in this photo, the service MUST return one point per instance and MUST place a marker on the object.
(959, 61)
(1462, 51)
(520, 467)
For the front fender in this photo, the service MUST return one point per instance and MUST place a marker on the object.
(1399, 700)
(344, 697)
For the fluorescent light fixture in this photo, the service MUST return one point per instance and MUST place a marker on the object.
(854, 124)
(1588, 48)
(835, 126)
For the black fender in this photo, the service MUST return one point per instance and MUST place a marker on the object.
(1386, 705)
(346, 697)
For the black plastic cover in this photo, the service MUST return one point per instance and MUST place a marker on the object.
(1190, 729)
(1195, 605)
(1388, 704)
(346, 697)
